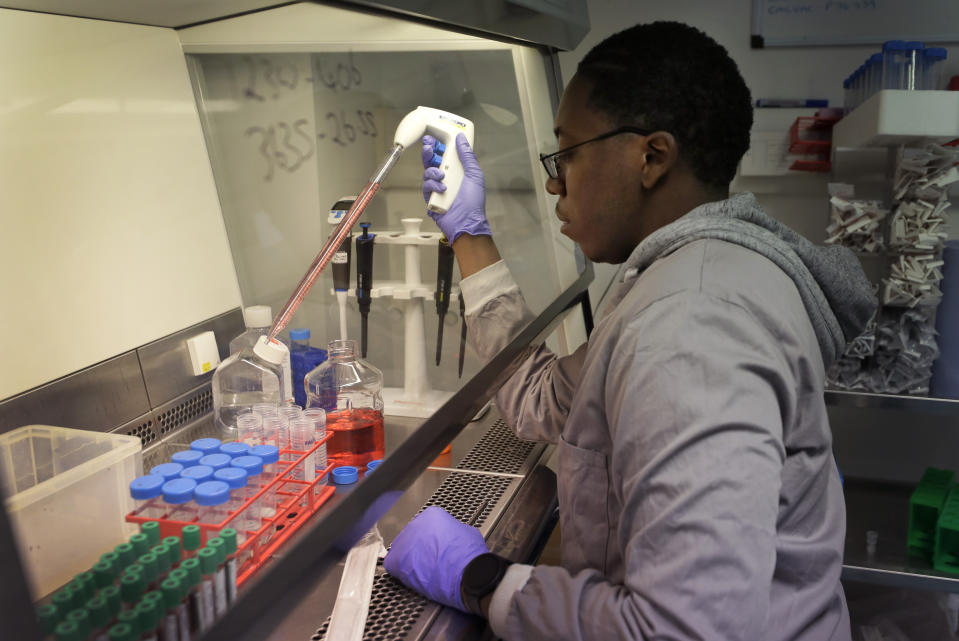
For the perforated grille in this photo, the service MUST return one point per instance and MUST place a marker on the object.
(393, 611)
(469, 497)
(186, 410)
(145, 429)
(498, 451)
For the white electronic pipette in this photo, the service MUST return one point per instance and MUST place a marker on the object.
(442, 125)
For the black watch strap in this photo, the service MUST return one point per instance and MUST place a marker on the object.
(480, 578)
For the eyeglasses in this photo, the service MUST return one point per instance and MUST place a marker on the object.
(551, 161)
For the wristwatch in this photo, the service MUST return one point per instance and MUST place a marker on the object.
(480, 578)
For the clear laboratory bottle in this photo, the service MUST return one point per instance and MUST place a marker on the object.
(219, 578)
(260, 374)
(350, 390)
(178, 496)
(893, 64)
(212, 498)
(318, 416)
(207, 558)
(933, 60)
(232, 543)
(146, 492)
(257, 319)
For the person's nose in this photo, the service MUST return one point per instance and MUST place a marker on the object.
(555, 186)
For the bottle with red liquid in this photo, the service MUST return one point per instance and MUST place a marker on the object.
(350, 390)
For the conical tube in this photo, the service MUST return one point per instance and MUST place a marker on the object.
(333, 242)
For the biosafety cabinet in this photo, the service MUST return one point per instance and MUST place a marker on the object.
(296, 106)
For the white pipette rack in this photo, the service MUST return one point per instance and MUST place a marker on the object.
(415, 398)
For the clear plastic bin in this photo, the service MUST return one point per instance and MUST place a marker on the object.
(67, 493)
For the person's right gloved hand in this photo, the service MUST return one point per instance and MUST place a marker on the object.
(467, 215)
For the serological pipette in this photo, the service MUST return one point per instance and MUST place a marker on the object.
(444, 127)
(364, 280)
(444, 282)
(462, 333)
(341, 260)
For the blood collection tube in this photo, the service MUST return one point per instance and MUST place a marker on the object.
(121, 632)
(212, 498)
(132, 619)
(178, 494)
(67, 631)
(47, 618)
(81, 617)
(216, 461)
(170, 626)
(318, 416)
(152, 530)
(148, 614)
(220, 598)
(207, 557)
(111, 594)
(195, 601)
(249, 428)
(234, 449)
(145, 492)
(100, 616)
(151, 568)
(104, 573)
(168, 471)
(183, 607)
(191, 541)
(206, 445)
(231, 541)
(132, 586)
(174, 548)
(140, 543)
(187, 458)
(124, 555)
(162, 553)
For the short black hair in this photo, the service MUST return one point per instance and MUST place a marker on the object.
(669, 76)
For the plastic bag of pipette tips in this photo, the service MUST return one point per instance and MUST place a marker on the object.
(878, 613)
(348, 620)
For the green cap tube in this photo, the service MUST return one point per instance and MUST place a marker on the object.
(81, 617)
(208, 560)
(121, 632)
(64, 599)
(162, 552)
(131, 587)
(191, 537)
(112, 595)
(140, 543)
(229, 535)
(149, 615)
(82, 590)
(132, 619)
(150, 566)
(68, 631)
(99, 610)
(48, 616)
(219, 545)
(153, 595)
(152, 530)
(104, 573)
(172, 592)
(180, 574)
(113, 559)
(192, 566)
(173, 545)
(125, 554)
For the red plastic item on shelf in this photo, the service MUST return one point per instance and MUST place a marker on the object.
(811, 135)
(297, 501)
(811, 165)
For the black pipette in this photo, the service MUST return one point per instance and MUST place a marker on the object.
(462, 333)
(444, 282)
(364, 279)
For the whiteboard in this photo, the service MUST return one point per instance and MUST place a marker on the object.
(784, 23)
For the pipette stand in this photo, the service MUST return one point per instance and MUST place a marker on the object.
(415, 398)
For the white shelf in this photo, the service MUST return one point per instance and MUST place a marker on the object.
(899, 117)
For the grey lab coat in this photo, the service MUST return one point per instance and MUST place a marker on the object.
(698, 494)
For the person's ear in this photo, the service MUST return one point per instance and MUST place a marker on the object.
(660, 156)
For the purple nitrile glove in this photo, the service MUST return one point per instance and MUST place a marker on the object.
(430, 554)
(467, 215)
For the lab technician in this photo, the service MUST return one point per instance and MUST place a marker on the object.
(698, 494)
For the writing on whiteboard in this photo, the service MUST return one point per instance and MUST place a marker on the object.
(777, 8)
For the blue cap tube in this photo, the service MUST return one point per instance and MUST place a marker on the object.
(234, 449)
(216, 461)
(186, 458)
(168, 471)
(206, 445)
(198, 473)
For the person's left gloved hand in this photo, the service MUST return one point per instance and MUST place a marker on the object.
(431, 552)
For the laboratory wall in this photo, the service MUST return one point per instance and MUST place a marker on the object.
(112, 233)
(797, 198)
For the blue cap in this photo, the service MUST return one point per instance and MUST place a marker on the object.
(234, 449)
(876, 58)
(299, 334)
(372, 465)
(216, 461)
(168, 471)
(232, 476)
(915, 44)
(894, 45)
(436, 160)
(178, 490)
(198, 473)
(253, 465)
(269, 453)
(439, 147)
(211, 493)
(206, 445)
(345, 474)
(935, 52)
(146, 487)
(186, 458)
